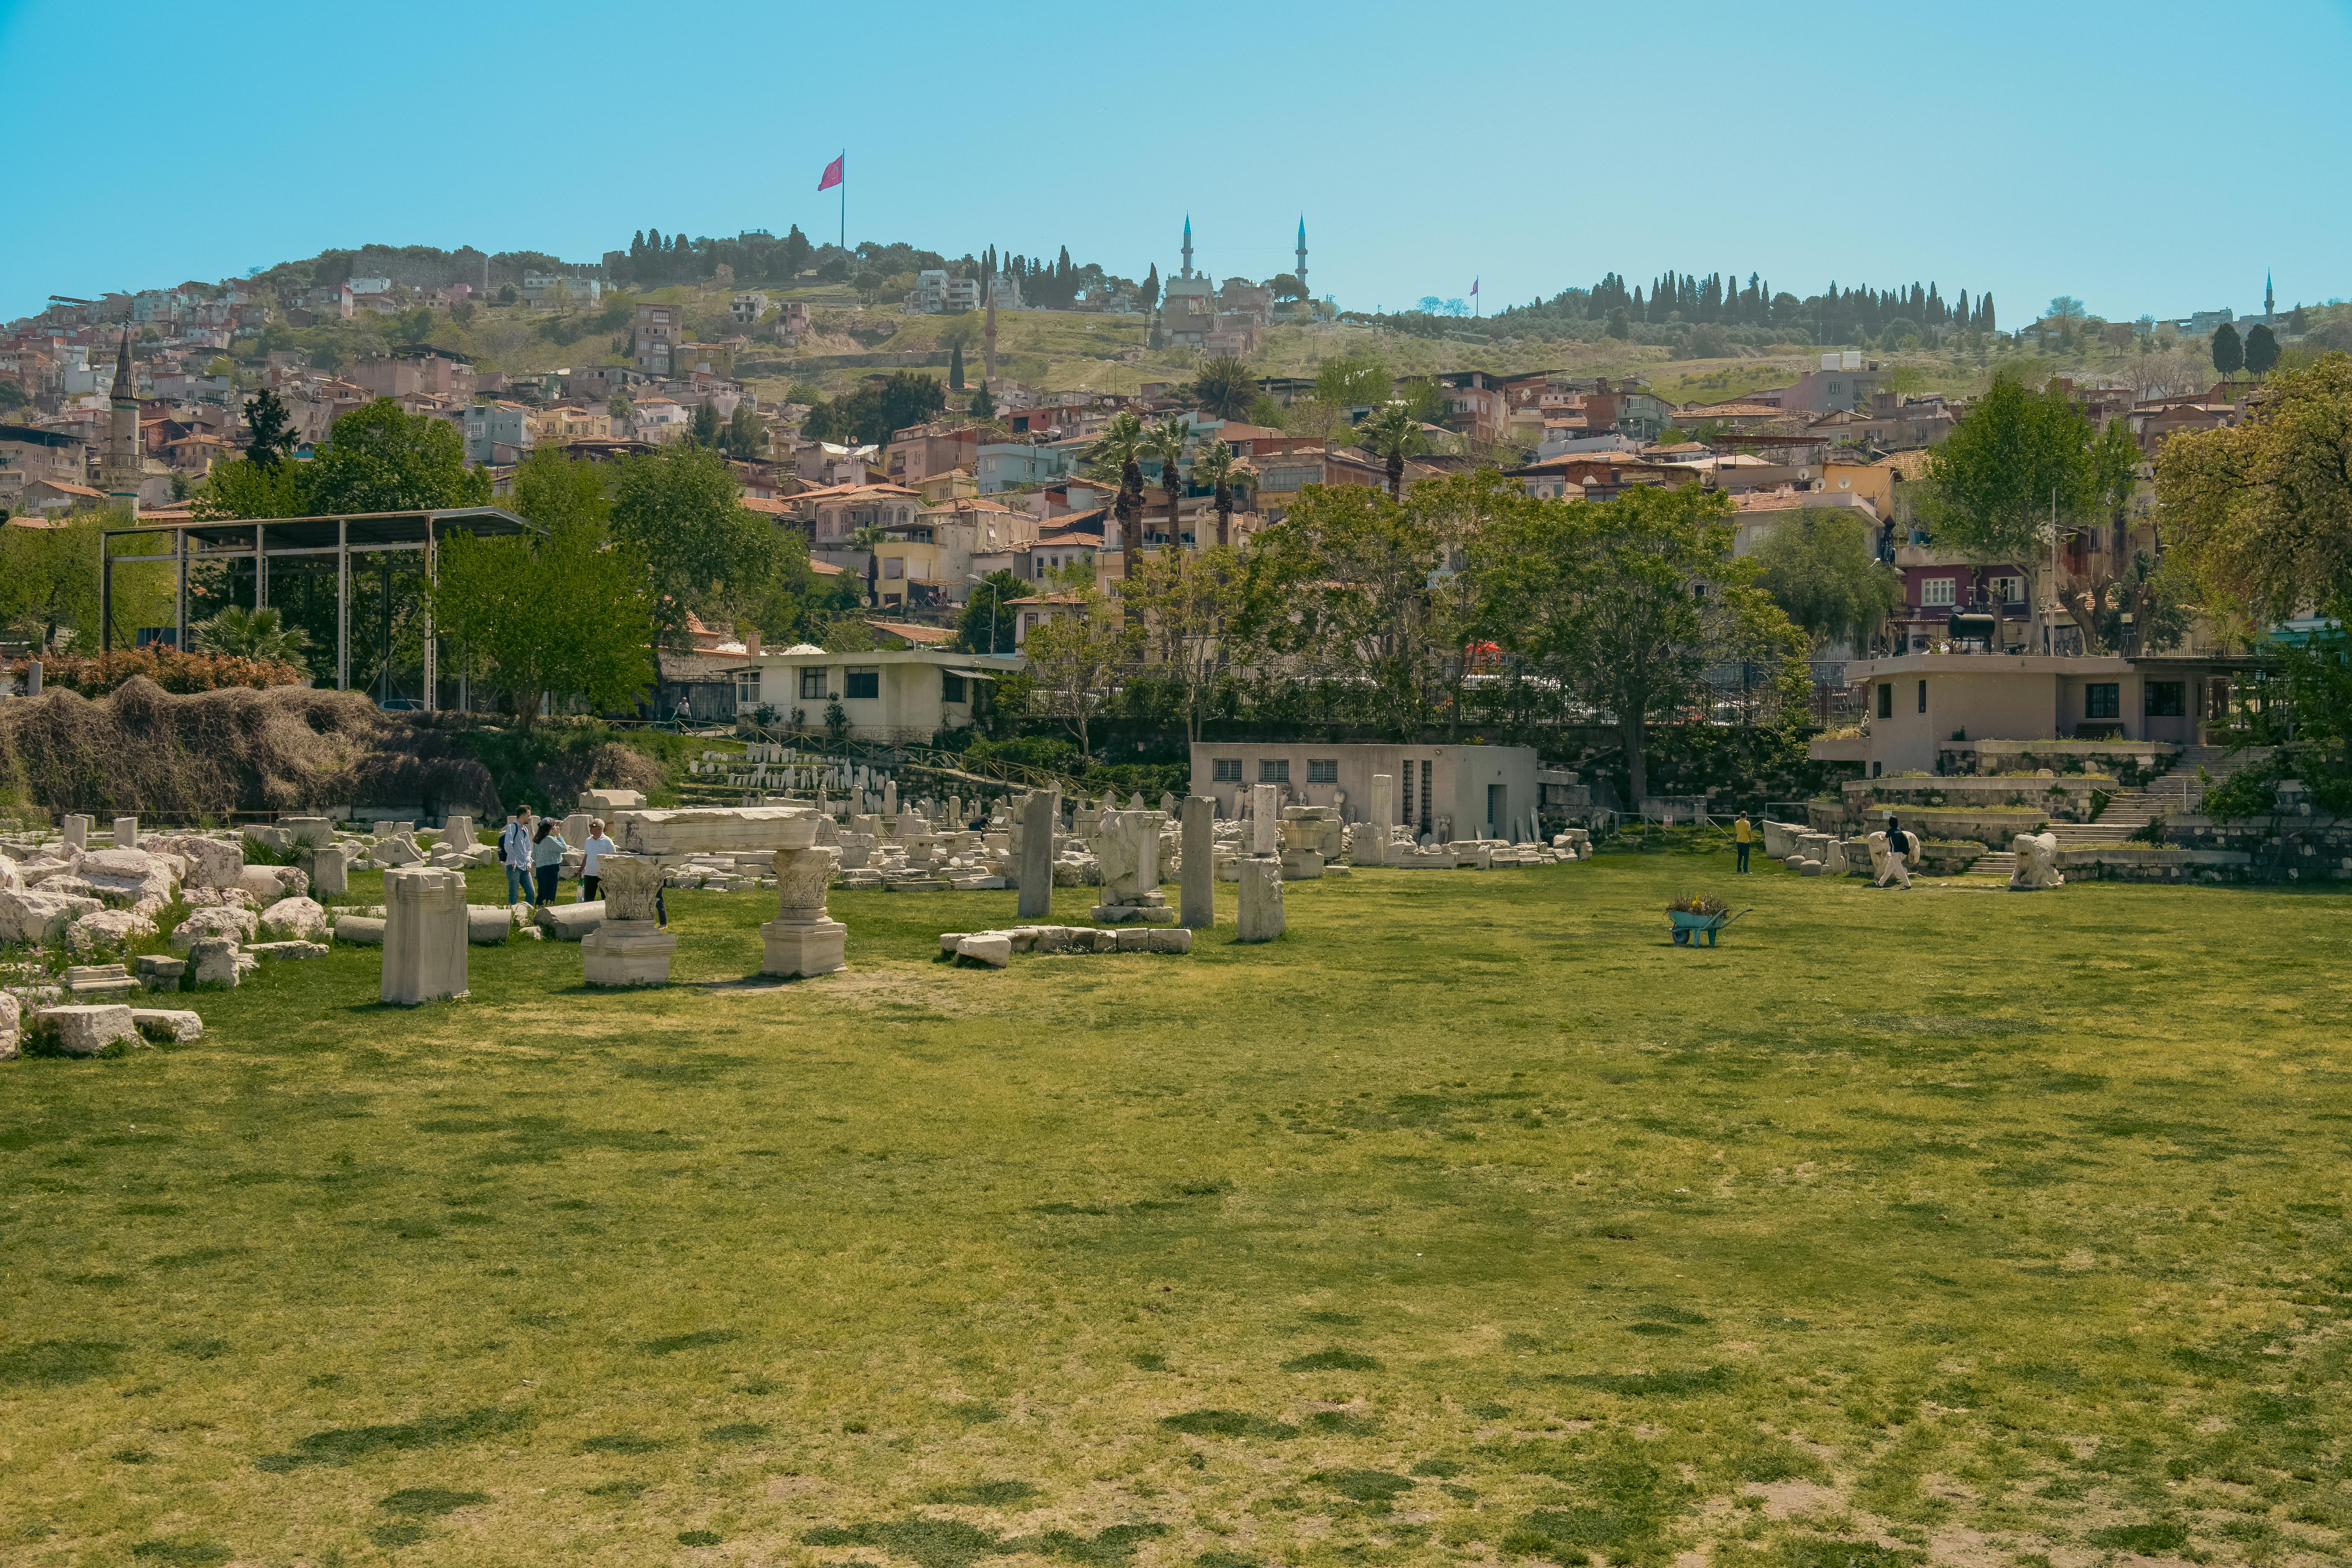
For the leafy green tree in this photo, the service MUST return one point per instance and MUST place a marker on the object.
(1353, 381)
(1392, 433)
(49, 578)
(273, 437)
(1167, 440)
(494, 598)
(985, 625)
(1629, 603)
(871, 540)
(260, 634)
(2229, 350)
(620, 409)
(1222, 388)
(2016, 467)
(2261, 348)
(378, 458)
(702, 427)
(1075, 661)
(984, 406)
(679, 513)
(1820, 566)
(555, 491)
(1181, 606)
(872, 414)
(1339, 593)
(2261, 512)
(745, 437)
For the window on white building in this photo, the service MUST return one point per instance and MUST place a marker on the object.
(1227, 770)
(1323, 770)
(1271, 771)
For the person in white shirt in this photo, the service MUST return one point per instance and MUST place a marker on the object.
(597, 847)
(514, 848)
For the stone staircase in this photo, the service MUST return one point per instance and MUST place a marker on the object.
(1994, 863)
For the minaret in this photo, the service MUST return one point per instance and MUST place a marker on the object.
(121, 465)
(1188, 246)
(2269, 305)
(1301, 273)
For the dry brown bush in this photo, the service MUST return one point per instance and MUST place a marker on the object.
(609, 766)
(143, 750)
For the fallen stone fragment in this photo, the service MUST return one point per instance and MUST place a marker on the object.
(84, 1031)
(176, 1024)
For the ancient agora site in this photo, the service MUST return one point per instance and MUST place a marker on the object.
(1406, 888)
(877, 1165)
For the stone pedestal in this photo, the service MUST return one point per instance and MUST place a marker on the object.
(628, 952)
(627, 948)
(803, 940)
(458, 829)
(307, 832)
(329, 870)
(1261, 900)
(1039, 818)
(1197, 899)
(424, 936)
(76, 829)
(1302, 865)
(126, 832)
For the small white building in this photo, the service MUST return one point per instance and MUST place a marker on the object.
(1456, 792)
(902, 695)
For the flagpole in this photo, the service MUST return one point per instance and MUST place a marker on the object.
(845, 198)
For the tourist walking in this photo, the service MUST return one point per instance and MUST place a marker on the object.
(1898, 845)
(514, 850)
(547, 848)
(595, 850)
(1743, 837)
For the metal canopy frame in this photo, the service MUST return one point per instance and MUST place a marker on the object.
(193, 542)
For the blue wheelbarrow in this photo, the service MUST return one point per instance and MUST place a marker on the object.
(1687, 926)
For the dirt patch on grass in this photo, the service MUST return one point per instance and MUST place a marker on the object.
(1788, 1500)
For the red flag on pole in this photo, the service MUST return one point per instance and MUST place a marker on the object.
(832, 174)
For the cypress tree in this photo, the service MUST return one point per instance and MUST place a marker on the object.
(955, 368)
(2229, 350)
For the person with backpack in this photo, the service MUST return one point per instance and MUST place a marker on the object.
(514, 852)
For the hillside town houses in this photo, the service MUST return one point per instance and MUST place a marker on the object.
(956, 498)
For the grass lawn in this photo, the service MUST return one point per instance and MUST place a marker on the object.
(1470, 1221)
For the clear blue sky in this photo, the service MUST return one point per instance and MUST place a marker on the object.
(2144, 157)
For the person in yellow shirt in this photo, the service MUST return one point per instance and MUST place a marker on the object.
(1743, 835)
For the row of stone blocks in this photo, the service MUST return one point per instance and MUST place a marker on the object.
(426, 927)
(996, 947)
(87, 1029)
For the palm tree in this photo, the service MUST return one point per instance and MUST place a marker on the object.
(870, 539)
(262, 634)
(1225, 387)
(1392, 431)
(1115, 452)
(1217, 466)
(1166, 441)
